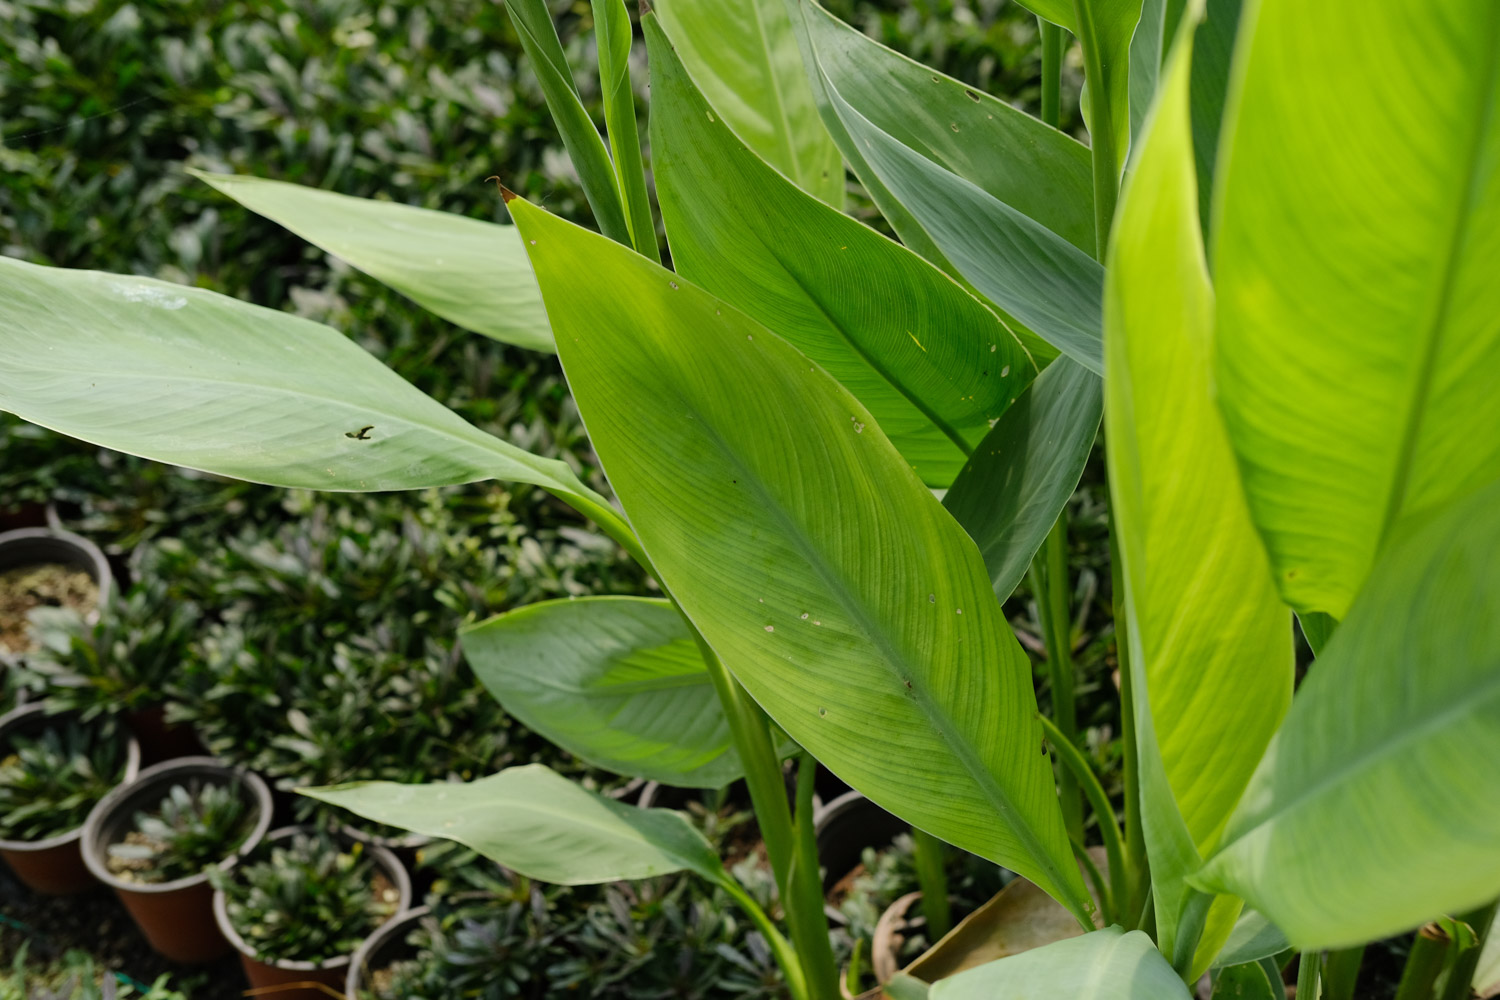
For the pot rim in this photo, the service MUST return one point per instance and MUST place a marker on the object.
(102, 574)
(388, 863)
(19, 718)
(94, 849)
(378, 938)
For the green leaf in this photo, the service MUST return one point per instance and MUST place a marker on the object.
(1487, 974)
(1206, 627)
(743, 55)
(471, 273)
(1105, 29)
(1357, 240)
(1253, 938)
(932, 363)
(614, 36)
(1057, 11)
(1392, 737)
(807, 553)
(1104, 965)
(1042, 173)
(1250, 981)
(1213, 49)
(534, 821)
(201, 380)
(615, 681)
(1008, 495)
(596, 174)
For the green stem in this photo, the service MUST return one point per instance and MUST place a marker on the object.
(933, 880)
(1341, 973)
(780, 947)
(1115, 904)
(1137, 868)
(1051, 72)
(1429, 949)
(1308, 967)
(804, 896)
(1103, 142)
(1101, 888)
(1049, 585)
(1461, 974)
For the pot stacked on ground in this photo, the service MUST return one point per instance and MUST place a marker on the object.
(298, 908)
(53, 769)
(155, 841)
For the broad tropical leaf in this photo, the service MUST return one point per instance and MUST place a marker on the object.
(1104, 965)
(193, 378)
(471, 273)
(932, 363)
(596, 174)
(1205, 622)
(1011, 490)
(802, 546)
(534, 821)
(1394, 735)
(1359, 311)
(615, 681)
(744, 56)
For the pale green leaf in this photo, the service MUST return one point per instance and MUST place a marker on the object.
(1392, 738)
(615, 681)
(197, 379)
(471, 273)
(804, 549)
(744, 57)
(932, 363)
(1359, 311)
(1250, 981)
(1008, 495)
(1103, 965)
(1253, 938)
(1207, 630)
(534, 821)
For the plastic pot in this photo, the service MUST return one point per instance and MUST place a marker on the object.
(176, 917)
(53, 866)
(330, 972)
(386, 945)
(845, 827)
(41, 546)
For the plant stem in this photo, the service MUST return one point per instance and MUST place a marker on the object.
(1461, 973)
(786, 958)
(1341, 973)
(1309, 984)
(933, 880)
(1138, 878)
(804, 897)
(1103, 143)
(1049, 585)
(1051, 71)
(1116, 903)
(1429, 949)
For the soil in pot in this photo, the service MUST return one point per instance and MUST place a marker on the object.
(304, 903)
(156, 840)
(26, 588)
(53, 769)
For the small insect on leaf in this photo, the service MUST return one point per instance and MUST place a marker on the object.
(363, 434)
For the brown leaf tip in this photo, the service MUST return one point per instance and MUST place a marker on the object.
(506, 193)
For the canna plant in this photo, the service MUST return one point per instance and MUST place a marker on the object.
(1281, 306)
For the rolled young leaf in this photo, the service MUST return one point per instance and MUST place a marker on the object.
(471, 273)
(932, 363)
(205, 381)
(1392, 737)
(1359, 311)
(807, 553)
(534, 821)
(1103, 965)
(1206, 627)
(615, 681)
(614, 35)
(744, 56)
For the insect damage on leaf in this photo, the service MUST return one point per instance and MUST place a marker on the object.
(363, 434)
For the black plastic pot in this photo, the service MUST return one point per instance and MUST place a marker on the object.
(53, 866)
(176, 917)
(845, 827)
(330, 972)
(386, 945)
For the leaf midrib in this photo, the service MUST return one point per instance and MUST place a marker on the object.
(1433, 334)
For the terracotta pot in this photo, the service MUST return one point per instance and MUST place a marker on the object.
(330, 972)
(160, 741)
(176, 917)
(54, 866)
(386, 945)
